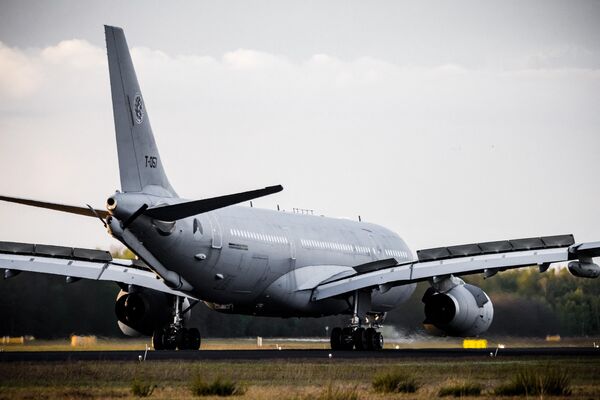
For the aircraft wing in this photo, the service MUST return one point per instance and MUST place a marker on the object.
(78, 264)
(488, 258)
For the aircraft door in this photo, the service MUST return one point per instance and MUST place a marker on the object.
(215, 227)
(292, 247)
(376, 248)
(292, 253)
(199, 228)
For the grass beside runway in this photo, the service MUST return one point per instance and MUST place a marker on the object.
(298, 379)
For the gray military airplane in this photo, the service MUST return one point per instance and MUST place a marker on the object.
(244, 260)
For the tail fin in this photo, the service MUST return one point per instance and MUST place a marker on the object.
(139, 162)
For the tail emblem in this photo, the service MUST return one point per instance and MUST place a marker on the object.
(139, 109)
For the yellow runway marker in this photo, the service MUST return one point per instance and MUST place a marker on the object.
(83, 341)
(475, 344)
(12, 340)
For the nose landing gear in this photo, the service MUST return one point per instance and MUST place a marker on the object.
(175, 335)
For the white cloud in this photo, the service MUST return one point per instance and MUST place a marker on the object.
(562, 57)
(74, 53)
(244, 59)
(19, 75)
(441, 154)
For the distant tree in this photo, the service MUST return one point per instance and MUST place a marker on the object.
(574, 301)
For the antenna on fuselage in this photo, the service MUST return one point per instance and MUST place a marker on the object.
(359, 219)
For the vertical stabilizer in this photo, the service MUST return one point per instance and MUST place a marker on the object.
(140, 165)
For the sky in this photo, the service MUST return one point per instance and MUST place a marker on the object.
(447, 122)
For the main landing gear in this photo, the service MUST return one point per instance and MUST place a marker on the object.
(175, 335)
(355, 336)
(358, 338)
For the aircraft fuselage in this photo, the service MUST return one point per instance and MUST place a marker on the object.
(248, 260)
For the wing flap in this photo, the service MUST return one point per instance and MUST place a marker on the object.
(79, 263)
(55, 251)
(503, 246)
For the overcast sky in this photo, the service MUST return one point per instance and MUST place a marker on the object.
(448, 122)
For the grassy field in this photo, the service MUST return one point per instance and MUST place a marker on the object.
(278, 379)
(282, 380)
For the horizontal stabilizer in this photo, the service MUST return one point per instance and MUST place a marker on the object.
(57, 207)
(190, 208)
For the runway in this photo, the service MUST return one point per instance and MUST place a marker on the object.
(251, 355)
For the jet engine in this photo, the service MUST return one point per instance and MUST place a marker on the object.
(142, 311)
(583, 269)
(464, 310)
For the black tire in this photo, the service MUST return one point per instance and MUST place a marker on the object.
(369, 336)
(158, 339)
(374, 339)
(359, 337)
(183, 339)
(193, 339)
(172, 338)
(347, 339)
(378, 341)
(336, 339)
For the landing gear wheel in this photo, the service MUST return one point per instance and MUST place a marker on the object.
(172, 338)
(359, 338)
(158, 339)
(377, 341)
(347, 339)
(336, 339)
(374, 339)
(192, 339)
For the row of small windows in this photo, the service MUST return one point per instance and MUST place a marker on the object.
(259, 236)
(317, 244)
(396, 253)
(343, 247)
(364, 250)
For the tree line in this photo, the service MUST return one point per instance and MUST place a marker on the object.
(526, 303)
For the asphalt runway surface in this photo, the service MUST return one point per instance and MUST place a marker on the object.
(224, 355)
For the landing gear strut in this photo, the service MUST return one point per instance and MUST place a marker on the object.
(175, 335)
(355, 336)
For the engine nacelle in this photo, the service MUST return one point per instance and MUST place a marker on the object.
(144, 310)
(583, 269)
(464, 310)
